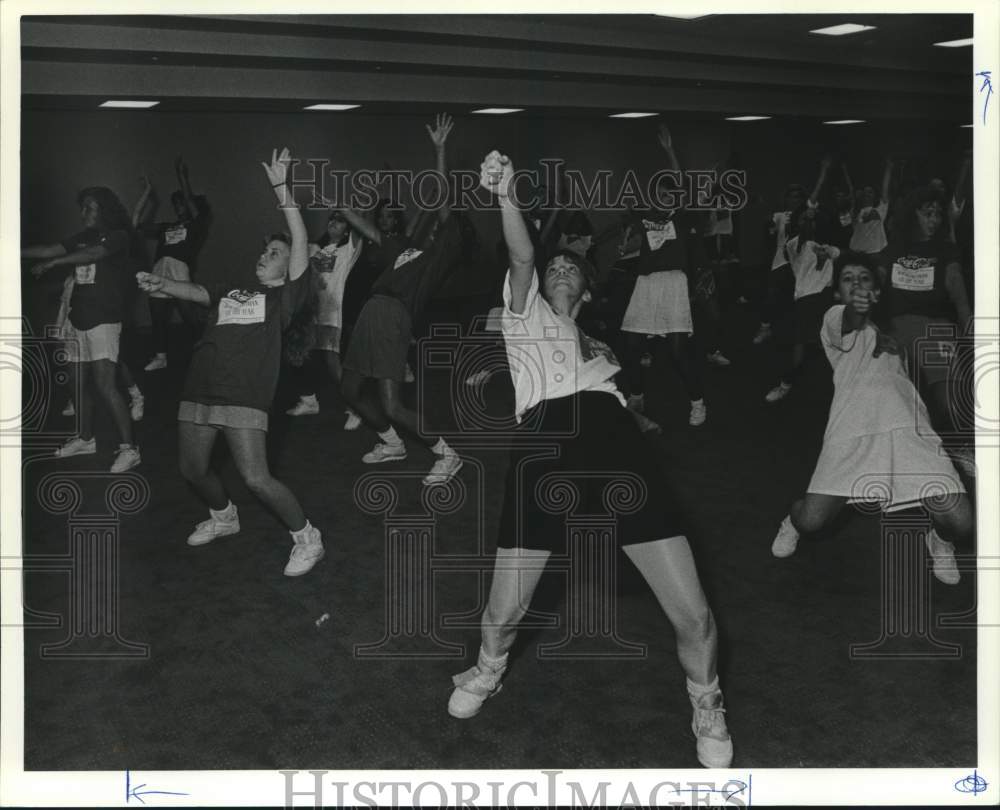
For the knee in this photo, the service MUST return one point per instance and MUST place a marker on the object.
(393, 409)
(698, 624)
(954, 518)
(259, 482)
(807, 521)
(192, 471)
(496, 619)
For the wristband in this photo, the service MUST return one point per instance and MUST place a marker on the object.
(279, 185)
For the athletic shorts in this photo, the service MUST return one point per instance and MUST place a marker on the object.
(88, 345)
(580, 463)
(380, 341)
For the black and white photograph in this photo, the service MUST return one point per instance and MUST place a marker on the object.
(470, 406)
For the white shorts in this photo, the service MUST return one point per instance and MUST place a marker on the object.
(169, 267)
(659, 305)
(88, 345)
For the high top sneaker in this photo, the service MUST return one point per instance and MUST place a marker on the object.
(475, 685)
(715, 746)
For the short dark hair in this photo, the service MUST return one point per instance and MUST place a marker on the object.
(849, 257)
(278, 237)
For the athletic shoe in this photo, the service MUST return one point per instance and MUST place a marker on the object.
(126, 457)
(742, 300)
(475, 685)
(646, 425)
(778, 392)
(77, 447)
(717, 358)
(444, 469)
(306, 406)
(69, 410)
(137, 407)
(215, 526)
(762, 334)
(159, 361)
(715, 745)
(943, 554)
(698, 414)
(353, 420)
(964, 459)
(636, 403)
(408, 374)
(305, 554)
(786, 540)
(383, 452)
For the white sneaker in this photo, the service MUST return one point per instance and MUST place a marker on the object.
(943, 554)
(126, 457)
(306, 406)
(444, 469)
(69, 410)
(215, 526)
(408, 375)
(159, 361)
(715, 745)
(475, 685)
(698, 414)
(383, 452)
(786, 541)
(305, 554)
(717, 358)
(764, 333)
(77, 447)
(777, 393)
(636, 402)
(137, 407)
(353, 420)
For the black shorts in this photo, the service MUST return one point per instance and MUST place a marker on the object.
(381, 340)
(580, 462)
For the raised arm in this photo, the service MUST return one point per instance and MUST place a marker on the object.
(667, 142)
(361, 224)
(138, 210)
(824, 169)
(886, 181)
(495, 175)
(184, 180)
(277, 174)
(847, 181)
(958, 199)
(439, 137)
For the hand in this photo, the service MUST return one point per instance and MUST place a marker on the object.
(149, 283)
(147, 187)
(663, 136)
(442, 126)
(181, 167)
(822, 254)
(826, 162)
(277, 170)
(495, 174)
(861, 300)
(886, 344)
(39, 269)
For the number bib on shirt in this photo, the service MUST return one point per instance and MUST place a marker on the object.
(406, 257)
(658, 232)
(86, 273)
(239, 308)
(175, 235)
(913, 273)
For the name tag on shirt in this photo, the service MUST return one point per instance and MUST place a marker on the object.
(405, 257)
(175, 235)
(870, 215)
(86, 273)
(915, 275)
(657, 233)
(238, 309)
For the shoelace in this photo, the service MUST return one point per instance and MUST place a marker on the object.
(711, 720)
(477, 681)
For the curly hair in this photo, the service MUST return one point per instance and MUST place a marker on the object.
(112, 216)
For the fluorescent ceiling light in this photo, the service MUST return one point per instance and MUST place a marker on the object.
(498, 110)
(967, 126)
(130, 105)
(633, 115)
(846, 121)
(841, 30)
(684, 16)
(333, 107)
(954, 43)
(749, 118)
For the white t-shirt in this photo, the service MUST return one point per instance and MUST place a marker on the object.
(869, 229)
(781, 220)
(333, 264)
(871, 395)
(810, 278)
(548, 355)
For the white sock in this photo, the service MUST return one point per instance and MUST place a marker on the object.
(492, 663)
(442, 448)
(390, 436)
(227, 514)
(697, 690)
(303, 533)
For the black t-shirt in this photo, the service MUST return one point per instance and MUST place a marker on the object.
(836, 228)
(915, 279)
(179, 240)
(664, 244)
(238, 358)
(99, 291)
(416, 273)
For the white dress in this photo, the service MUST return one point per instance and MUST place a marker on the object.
(879, 445)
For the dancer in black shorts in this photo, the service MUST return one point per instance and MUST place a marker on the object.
(568, 384)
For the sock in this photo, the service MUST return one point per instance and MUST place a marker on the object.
(697, 690)
(492, 663)
(228, 514)
(442, 448)
(390, 436)
(697, 402)
(303, 533)
(134, 391)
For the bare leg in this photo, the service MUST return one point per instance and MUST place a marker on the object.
(195, 450)
(249, 450)
(351, 388)
(813, 512)
(516, 573)
(85, 407)
(105, 381)
(397, 412)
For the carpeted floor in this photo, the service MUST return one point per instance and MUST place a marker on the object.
(240, 676)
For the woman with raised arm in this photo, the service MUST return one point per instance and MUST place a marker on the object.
(871, 210)
(566, 398)
(233, 376)
(102, 256)
(383, 333)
